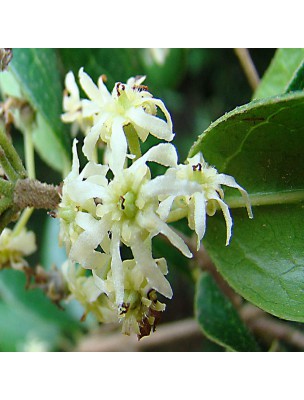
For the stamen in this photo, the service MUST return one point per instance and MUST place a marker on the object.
(197, 167)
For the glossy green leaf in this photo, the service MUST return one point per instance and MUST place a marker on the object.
(218, 318)
(33, 74)
(261, 144)
(285, 73)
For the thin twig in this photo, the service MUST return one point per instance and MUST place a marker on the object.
(248, 67)
(264, 326)
(269, 328)
(187, 329)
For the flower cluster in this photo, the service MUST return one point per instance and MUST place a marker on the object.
(108, 207)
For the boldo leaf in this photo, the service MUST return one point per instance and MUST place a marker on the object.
(284, 74)
(218, 318)
(261, 144)
(33, 74)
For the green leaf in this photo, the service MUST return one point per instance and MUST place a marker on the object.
(297, 82)
(28, 313)
(33, 74)
(261, 144)
(285, 73)
(218, 318)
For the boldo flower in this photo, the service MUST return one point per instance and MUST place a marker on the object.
(77, 111)
(83, 289)
(13, 248)
(105, 213)
(129, 104)
(194, 191)
(140, 310)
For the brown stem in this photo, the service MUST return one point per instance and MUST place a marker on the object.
(248, 67)
(269, 328)
(32, 193)
(165, 334)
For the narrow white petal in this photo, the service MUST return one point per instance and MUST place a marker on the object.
(91, 169)
(165, 185)
(155, 225)
(75, 163)
(92, 137)
(118, 146)
(230, 181)
(100, 283)
(82, 250)
(96, 227)
(89, 108)
(199, 216)
(226, 213)
(162, 106)
(143, 257)
(164, 154)
(103, 89)
(156, 126)
(79, 192)
(164, 207)
(90, 88)
(71, 85)
(117, 266)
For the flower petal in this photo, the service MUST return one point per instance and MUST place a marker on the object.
(116, 265)
(75, 164)
(164, 207)
(156, 126)
(226, 213)
(90, 88)
(230, 181)
(155, 225)
(91, 139)
(165, 185)
(199, 216)
(143, 257)
(164, 154)
(118, 146)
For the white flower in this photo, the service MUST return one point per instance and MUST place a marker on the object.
(194, 190)
(140, 310)
(129, 103)
(108, 213)
(78, 193)
(14, 247)
(77, 111)
(84, 290)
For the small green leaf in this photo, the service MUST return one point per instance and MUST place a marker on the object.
(33, 74)
(285, 73)
(261, 144)
(218, 318)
